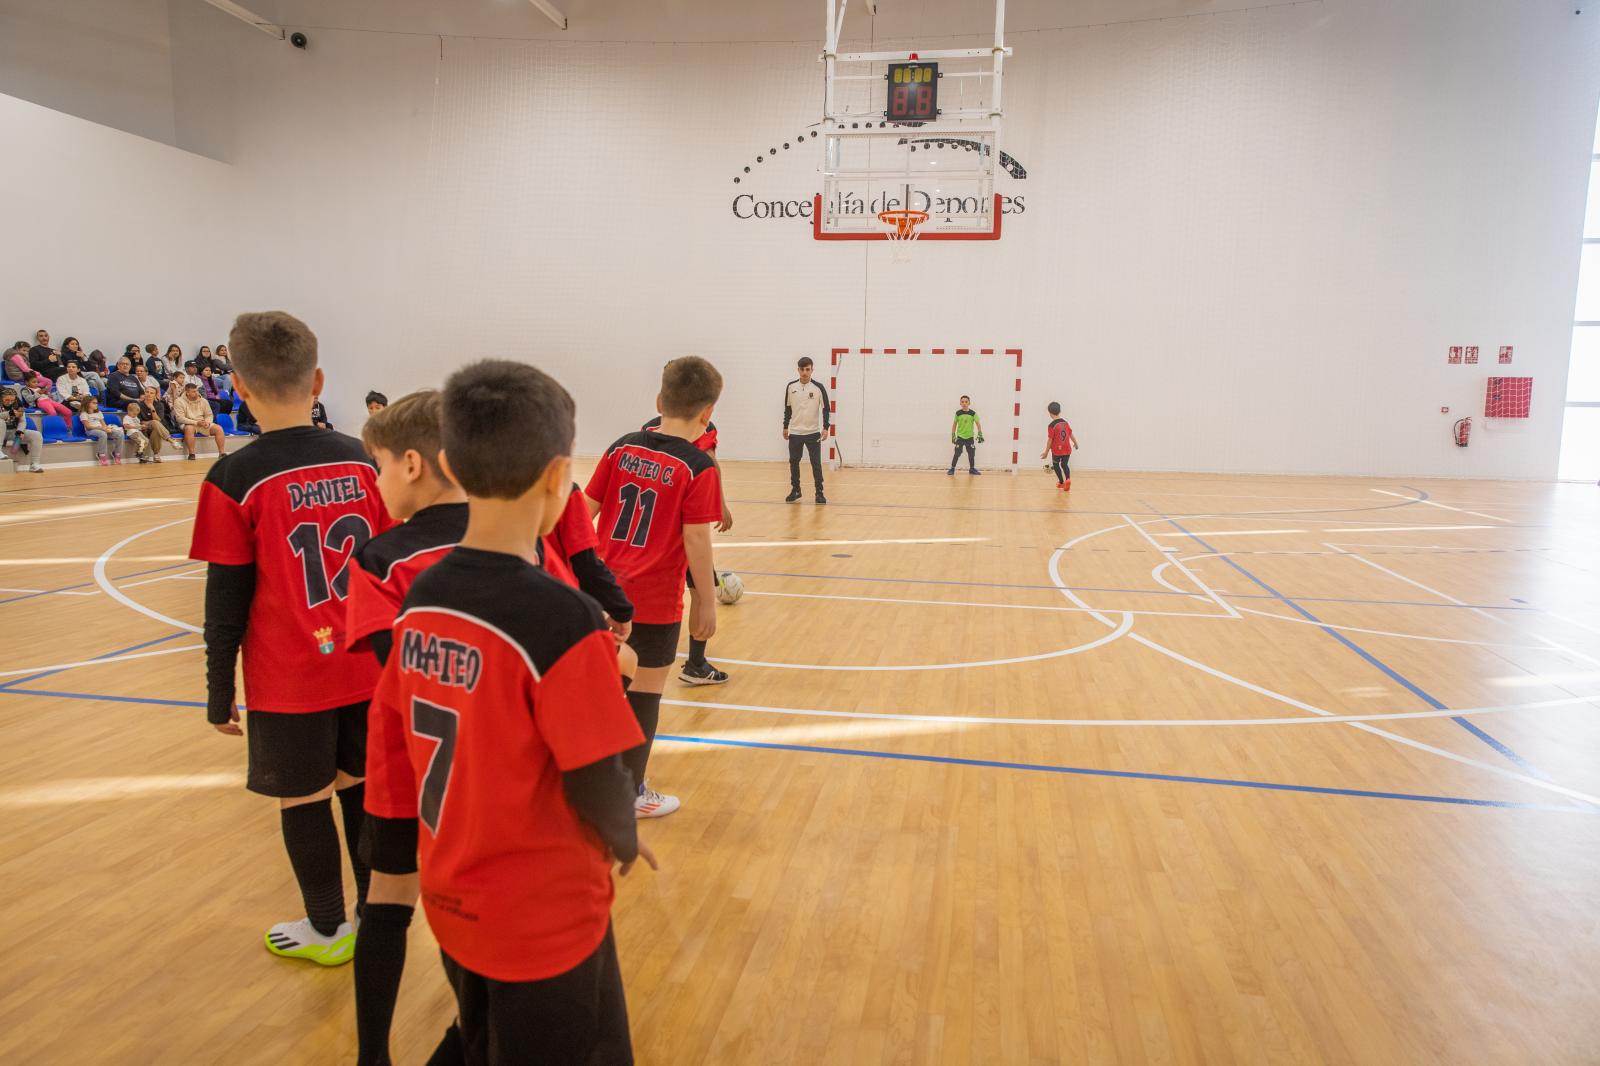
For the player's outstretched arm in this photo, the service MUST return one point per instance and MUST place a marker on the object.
(229, 590)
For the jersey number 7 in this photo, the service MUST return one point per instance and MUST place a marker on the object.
(634, 501)
(435, 723)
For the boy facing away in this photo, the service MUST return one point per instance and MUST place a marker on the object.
(965, 431)
(278, 522)
(497, 734)
(1059, 443)
(657, 496)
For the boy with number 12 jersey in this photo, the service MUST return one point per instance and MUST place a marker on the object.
(280, 523)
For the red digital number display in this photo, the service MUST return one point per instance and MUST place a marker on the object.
(913, 92)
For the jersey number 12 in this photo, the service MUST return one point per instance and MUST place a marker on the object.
(307, 541)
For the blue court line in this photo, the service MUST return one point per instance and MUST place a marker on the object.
(86, 584)
(1134, 775)
(1141, 592)
(951, 760)
(107, 655)
(1389, 671)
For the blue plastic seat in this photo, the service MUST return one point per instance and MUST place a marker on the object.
(55, 429)
(112, 418)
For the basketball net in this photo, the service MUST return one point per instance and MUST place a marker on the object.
(902, 230)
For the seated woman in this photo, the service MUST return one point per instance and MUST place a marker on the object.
(72, 388)
(107, 438)
(152, 404)
(223, 366)
(221, 400)
(95, 369)
(18, 435)
(194, 417)
(145, 430)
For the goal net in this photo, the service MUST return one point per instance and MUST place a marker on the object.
(894, 406)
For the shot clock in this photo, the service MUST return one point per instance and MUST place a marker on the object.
(913, 92)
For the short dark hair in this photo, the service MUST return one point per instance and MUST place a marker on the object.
(274, 352)
(964, 396)
(805, 361)
(1054, 408)
(377, 398)
(503, 424)
(688, 386)
(411, 422)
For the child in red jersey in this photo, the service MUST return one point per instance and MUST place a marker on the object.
(696, 669)
(1058, 446)
(497, 734)
(657, 496)
(278, 522)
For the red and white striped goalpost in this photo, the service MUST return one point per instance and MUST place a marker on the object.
(836, 354)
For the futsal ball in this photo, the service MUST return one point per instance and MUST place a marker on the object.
(730, 587)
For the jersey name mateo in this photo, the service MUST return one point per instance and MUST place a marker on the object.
(449, 662)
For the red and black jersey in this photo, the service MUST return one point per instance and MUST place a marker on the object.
(649, 486)
(501, 680)
(570, 551)
(1060, 435)
(390, 562)
(706, 442)
(298, 504)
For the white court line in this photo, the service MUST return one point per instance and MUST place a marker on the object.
(1127, 624)
(1137, 723)
(1366, 727)
(28, 518)
(1402, 529)
(1444, 506)
(1227, 532)
(166, 577)
(829, 543)
(1390, 633)
(1164, 583)
(111, 590)
(52, 668)
(89, 789)
(977, 603)
(1190, 574)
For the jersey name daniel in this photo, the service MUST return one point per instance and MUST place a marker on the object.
(326, 492)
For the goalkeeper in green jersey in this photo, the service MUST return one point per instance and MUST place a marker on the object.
(965, 431)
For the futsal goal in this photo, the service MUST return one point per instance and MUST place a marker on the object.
(893, 407)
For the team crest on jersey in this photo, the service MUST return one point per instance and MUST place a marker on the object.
(324, 640)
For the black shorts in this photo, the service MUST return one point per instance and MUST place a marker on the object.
(656, 644)
(297, 754)
(578, 1017)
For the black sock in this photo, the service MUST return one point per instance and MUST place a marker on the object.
(351, 807)
(647, 709)
(313, 846)
(380, 960)
(697, 653)
(450, 1051)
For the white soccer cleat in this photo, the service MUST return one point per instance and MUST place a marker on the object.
(300, 940)
(652, 804)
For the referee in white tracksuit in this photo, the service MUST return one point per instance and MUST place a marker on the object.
(805, 422)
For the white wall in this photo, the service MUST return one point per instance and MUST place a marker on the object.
(1250, 235)
(139, 242)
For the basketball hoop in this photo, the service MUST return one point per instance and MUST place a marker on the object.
(902, 224)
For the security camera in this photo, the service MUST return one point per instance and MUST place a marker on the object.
(298, 39)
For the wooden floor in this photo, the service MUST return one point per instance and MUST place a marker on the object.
(1178, 769)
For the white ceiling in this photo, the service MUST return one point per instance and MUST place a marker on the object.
(719, 20)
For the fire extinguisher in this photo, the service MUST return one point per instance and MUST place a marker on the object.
(1463, 430)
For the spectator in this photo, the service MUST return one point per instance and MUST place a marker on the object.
(72, 388)
(219, 399)
(36, 393)
(175, 384)
(223, 366)
(194, 417)
(154, 364)
(107, 438)
(18, 435)
(94, 368)
(246, 421)
(163, 367)
(146, 431)
(152, 403)
(45, 359)
(123, 387)
(319, 414)
(202, 358)
(376, 401)
(16, 366)
(142, 376)
(71, 353)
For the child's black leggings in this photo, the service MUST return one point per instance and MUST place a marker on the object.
(1058, 463)
(972, 459)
